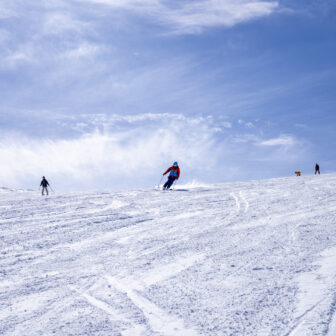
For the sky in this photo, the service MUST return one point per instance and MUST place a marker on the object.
(107, 94)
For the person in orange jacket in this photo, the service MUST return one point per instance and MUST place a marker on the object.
(174, 174)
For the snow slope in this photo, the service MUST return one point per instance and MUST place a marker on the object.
(256, 258)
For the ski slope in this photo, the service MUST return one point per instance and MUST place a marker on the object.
(255, 258)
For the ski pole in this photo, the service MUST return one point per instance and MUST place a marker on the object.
(160, 181)
(52, 189)
(174, 184)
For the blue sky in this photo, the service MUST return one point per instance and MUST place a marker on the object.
(104, 94)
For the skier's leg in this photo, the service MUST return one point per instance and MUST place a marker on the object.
(171, 181)
(47, 191)
(167, 184)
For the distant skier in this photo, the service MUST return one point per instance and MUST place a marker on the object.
(174, 174)
(317, 169)
(44, 184)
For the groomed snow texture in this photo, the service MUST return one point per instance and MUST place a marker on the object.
(254, 258)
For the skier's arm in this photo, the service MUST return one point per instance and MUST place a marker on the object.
(167, 171)
(178, 173)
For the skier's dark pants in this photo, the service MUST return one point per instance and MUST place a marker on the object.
(169, 183)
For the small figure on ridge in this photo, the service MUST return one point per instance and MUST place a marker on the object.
(317, 169)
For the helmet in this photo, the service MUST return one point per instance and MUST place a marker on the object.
(175, 164)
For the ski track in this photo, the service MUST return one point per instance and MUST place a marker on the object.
(252, 258)
(247, 205)
(237, 201)
(99, 304)
(159, 320)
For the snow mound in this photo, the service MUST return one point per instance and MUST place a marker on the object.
(7, 190)
(193, 185)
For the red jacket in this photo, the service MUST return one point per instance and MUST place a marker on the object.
(174, 172)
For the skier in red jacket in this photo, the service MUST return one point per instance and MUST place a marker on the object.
(174, 174)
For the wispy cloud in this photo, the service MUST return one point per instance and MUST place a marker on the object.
(113, 151)
(113, 157)
(43, 33)
(82, 50)
(6, 12)
(309, 7)
(93, 99)
(245, 138)
(283, 140)
(58, 23)
(21, 56)
(193, 16)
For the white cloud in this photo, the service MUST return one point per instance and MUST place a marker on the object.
(131, 119)
(193, 16)
(123, 151)
(56, 23)
(22, 55)
(4, 36)
(83, 50)
(202, 14)
(226, 124)
(6, 13)
(283, 140)
(245, 138)
(48, 32)
(19, 56)
(114, 158)
(303, 126)
(249, 125)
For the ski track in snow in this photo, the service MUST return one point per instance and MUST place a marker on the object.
(253, 258)
(237, 201)
(159, 320)
(245, 201)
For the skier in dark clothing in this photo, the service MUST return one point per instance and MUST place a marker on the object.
(317, 169)
(174, 174)
(44, 184)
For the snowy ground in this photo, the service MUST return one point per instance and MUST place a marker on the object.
(256, 258)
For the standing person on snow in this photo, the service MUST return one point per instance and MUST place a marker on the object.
(44, 184)
(317, 169)
(174, 174)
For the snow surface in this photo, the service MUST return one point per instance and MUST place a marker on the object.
(255, 258)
